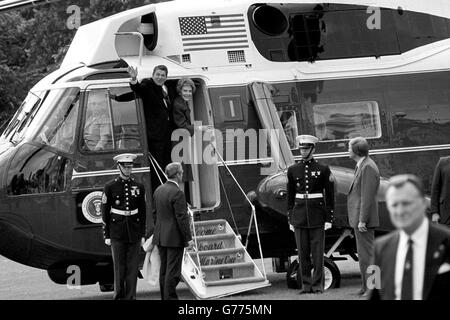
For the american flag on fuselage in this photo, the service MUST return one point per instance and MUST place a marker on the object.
(213, 32)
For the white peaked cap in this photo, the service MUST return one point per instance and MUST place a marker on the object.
(306, 139)
(125, 157)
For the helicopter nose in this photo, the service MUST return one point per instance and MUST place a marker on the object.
(15, 238)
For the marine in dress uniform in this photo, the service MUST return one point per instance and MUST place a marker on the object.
(124, 214)
(310, 208)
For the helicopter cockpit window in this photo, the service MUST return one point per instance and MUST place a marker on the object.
(111, 124)
(22, 116)
(97, 132)
(60, 130)
(343, 121)
(54, 122)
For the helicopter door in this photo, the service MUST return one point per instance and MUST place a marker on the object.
(108, 128)
(205, 192)
(270, 120)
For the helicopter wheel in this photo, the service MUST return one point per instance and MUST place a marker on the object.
(332, 275)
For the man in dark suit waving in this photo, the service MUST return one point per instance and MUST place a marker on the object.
(158, 115)
(362, 204)
(414, 261)
(172, 232)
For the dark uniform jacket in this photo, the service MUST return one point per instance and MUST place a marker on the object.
(124, 195)
(172, 220)
(440, 191)
(310, 177)
(436, 282)
(157, 115)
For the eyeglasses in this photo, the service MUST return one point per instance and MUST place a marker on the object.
(399, 180)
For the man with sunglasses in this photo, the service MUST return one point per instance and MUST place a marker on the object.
(124, 218)
(310, 196)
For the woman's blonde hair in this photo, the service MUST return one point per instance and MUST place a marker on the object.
(185, 82)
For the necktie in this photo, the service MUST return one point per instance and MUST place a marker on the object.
(407, 282)
(166, 97)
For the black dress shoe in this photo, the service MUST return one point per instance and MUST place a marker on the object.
(360, 292)
(303, 291)
(317, 291)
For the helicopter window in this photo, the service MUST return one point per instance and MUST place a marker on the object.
(58, 116)
(342, 121)
(34, 170)
(420, 109)
(64, 132)
(97, 133)
(22, 116)
(289, 122)
(111, 124)
(126, 126)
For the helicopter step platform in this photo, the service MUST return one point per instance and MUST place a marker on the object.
(221, 265)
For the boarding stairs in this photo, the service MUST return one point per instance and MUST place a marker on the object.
(219, 265)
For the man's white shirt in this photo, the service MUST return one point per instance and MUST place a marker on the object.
(420, 239)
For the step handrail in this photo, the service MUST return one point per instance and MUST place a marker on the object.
(253, 215)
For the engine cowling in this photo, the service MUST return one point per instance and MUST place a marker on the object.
(271, 197)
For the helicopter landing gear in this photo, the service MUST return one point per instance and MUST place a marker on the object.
(331, 271)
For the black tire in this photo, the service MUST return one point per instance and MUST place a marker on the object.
(332, 274)
(331, 270)
(291, 275)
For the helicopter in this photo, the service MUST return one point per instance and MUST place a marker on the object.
(286, 67)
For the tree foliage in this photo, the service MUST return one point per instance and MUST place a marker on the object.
(33, 43)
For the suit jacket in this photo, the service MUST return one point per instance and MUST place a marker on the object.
(440, 190)
(172, 220)
(435, 286)
(362, 204)
(158, 116)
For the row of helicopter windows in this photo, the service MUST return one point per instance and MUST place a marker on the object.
(323, 34)
(398, 111)
(107, 124)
